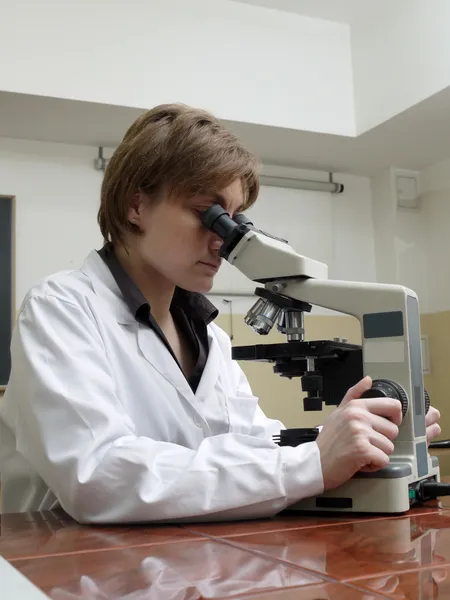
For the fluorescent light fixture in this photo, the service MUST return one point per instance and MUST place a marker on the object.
(302, 184)
(299, 179)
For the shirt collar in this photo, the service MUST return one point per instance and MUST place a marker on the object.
(194, 305)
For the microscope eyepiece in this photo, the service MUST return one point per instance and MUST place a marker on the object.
(231, 231)
(218, 220)
(242, 219)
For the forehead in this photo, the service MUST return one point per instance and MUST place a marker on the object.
(231, 198)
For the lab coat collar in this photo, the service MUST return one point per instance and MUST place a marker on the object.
(157, 355)
(211, 372)
(106, 288)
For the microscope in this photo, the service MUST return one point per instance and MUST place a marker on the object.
(289, 286)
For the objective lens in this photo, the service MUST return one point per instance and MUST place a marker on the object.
(262, 316)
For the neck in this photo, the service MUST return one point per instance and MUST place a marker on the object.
(158, 291)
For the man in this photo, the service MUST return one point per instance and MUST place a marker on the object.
(124, 404)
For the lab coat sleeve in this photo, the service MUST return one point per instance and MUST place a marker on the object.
(263, 426)
(74, 431)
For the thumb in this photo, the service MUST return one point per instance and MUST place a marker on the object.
(357, 390)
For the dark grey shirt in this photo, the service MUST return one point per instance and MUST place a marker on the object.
(192, 313)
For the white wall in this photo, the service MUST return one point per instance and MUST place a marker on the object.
(400, 239)
(244, 63)
(383, 218)
(400, 60)
(411, 251)
(436, 177)
(412, 246)
(57, 191)
(436, 210)
(435, 206)
(353, 231)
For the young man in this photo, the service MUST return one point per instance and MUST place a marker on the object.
(124, 404)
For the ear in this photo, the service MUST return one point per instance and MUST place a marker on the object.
(136, 209)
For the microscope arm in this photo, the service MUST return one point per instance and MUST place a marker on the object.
(348, 297)
(263, 258)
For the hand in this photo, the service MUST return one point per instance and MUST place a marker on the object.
(431, 421)
(358, 435)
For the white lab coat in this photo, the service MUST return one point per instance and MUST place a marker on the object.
(99, 419)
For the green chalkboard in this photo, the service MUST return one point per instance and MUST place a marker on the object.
(6, 284)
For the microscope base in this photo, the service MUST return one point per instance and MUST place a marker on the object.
(367, 495)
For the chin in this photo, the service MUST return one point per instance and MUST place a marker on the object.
(203, 288)
(200, 286)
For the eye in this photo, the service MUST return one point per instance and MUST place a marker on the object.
(199, 211)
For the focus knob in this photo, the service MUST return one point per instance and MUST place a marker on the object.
(385, 388)
(427, 401)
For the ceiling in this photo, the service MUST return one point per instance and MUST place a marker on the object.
(353, 12)
(414, 139)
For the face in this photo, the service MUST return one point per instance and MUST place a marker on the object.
(174, 245)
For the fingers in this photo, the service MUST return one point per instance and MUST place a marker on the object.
(384, 427)
(381, 442)
(432, 416)
(387, 584)
(431, 420)
(357, 390)
(361, 417)
(433, 432)
(439, 575)
(377, 459)
(385, 407)
(369, 469)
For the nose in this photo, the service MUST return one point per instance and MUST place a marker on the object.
(215, 242)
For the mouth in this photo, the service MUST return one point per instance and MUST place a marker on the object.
(212, 265)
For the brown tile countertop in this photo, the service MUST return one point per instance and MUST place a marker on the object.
(291, 557)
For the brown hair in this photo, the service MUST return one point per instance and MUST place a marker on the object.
(184, 149)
